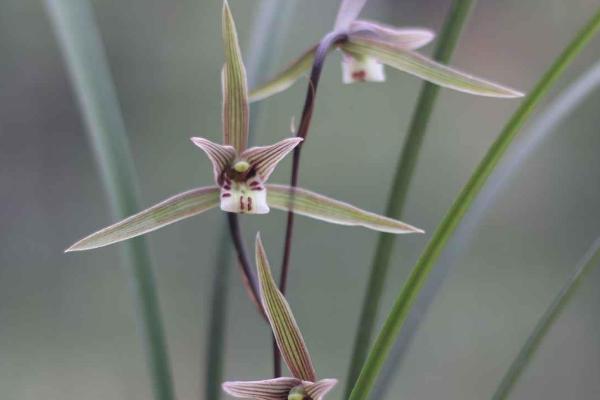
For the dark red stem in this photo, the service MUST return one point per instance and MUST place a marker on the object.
(326, 44)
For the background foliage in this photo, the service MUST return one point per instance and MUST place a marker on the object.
(67, 327)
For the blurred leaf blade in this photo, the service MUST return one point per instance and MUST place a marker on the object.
(431, 253)
(406, 164)
(82, 47)
(590, 260)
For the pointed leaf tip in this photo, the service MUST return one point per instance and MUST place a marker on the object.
(314, 205)
(285, 329)
(173, 209)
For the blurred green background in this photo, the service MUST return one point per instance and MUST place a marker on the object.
(67, 322)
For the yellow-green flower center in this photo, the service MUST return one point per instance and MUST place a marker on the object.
(241, 166)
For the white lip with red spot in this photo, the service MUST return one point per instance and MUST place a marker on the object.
(244, 197)
(361, 69)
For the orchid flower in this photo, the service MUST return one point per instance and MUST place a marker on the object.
(304, 384)
(240, 174)
(366, 46)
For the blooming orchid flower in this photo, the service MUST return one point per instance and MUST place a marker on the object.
(240, 174)
(303, 385)
(367, 46)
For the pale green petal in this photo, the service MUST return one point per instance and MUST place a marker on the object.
(323, 208)
(235, 87)
(181, 206)
(285, 329)
(286, 78)
(427, 69)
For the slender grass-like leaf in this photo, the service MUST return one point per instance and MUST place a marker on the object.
(541, 128)
(173, 209)
(310, 204)
(407, 162)
(424, 68)
(83, 50)
(219, 301)
(590, 260)
(419, 274)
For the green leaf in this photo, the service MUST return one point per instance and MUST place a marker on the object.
(430, 255)
(285, 329)
(235, 87)
(427, 69)
(173, 209)
(590, 260)
(286, 78)
(398, 192)
(323, 208)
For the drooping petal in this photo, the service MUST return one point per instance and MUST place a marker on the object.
(269, 389)
(235, 87)
(310, 204)
(264, 159)
(178, 207)
(348, 12)
(220, 156)
(316, 390)
(427, 69)
(286, 78)
(400, 38)
(285, 329)
(357, 68)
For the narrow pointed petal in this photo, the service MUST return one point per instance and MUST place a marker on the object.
(348, 12)
(427, 69)
(220, 156)
(400, 38)
(269, 389)
(317, 390)
(235, 87)
(323, 208)
(286, 78)
(285, 329)
(178, 207)
(264, 159)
